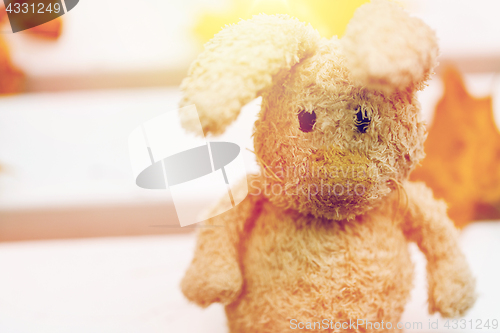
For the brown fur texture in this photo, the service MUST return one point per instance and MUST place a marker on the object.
(298, 247)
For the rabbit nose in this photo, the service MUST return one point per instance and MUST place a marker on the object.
(341, 169)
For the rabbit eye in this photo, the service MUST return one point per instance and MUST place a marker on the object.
(307, 121)
(362, 121)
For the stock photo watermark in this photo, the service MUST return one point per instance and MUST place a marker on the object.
(164, 157)
(437, 324)
(27, 14)
(332, 180)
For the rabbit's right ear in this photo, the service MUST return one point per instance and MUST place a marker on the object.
(239, 63)
(386, 49)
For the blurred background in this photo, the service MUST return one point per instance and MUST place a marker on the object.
(83, 249)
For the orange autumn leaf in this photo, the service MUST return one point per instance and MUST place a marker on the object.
(50, 30)
(12, 78)
(462, 165)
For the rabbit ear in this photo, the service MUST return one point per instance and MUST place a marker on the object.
(387, 50)
(239, 63)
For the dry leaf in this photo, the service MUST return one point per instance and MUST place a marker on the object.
(462, 165)
(11, 77)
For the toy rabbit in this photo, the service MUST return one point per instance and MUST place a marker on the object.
(322, 237)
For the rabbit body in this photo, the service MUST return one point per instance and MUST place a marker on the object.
(323, 233)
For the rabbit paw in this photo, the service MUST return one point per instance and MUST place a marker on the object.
(207, 283)
(451, 289)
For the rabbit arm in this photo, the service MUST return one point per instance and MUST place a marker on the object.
(451, 284)
(214, 274)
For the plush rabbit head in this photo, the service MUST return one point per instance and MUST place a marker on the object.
(339, 123)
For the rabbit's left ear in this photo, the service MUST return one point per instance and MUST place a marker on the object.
(387, 50)
(239, 63)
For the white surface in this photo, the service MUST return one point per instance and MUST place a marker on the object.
(132, 285)
(464, 27)
(105, 285)
(62, 149)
